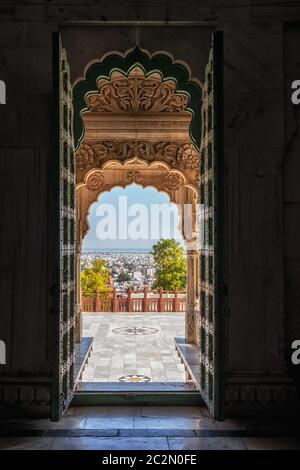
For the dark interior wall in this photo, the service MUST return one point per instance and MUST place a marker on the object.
(254, 145)
(23, 260)
(25, 148)
(262, 202)
(291, 174)
(88, 43)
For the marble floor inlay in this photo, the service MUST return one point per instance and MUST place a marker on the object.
(134, 378)
(133, 345)
(135, 330)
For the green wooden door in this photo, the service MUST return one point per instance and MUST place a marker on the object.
(63, 185)
(212, 289)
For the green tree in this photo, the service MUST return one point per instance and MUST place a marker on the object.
(97, 275)
(170, 264)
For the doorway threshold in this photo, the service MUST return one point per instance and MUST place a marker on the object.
(155, 393)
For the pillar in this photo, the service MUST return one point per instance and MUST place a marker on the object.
(97, 300)
(145, 299)
(129, 303)
(161, 301)
(114, 300)
(176, 301)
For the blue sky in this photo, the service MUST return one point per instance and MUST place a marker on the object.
(137, 222)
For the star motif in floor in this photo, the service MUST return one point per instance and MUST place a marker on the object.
(135, 330)
(134, 378)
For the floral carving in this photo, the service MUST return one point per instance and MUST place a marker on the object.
(167, 151)
(104, 150)
(95, 181)
(173, 181)
(136, 149)
(134, 176)
(188, 157)
(84, 156)
(183, 156)
(137, 93)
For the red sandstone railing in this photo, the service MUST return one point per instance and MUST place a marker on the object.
(133, 301)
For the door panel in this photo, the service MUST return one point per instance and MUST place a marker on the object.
(212, 289)
(64, 219)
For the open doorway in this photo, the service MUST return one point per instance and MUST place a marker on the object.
(134, 305)
(136, 131)
(141, 118)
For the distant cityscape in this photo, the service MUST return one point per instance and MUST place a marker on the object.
(128, 268)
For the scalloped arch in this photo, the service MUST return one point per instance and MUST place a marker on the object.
(126, 185)
(160, 62)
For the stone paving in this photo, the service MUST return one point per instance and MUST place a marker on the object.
(133, 347)
(148, 428)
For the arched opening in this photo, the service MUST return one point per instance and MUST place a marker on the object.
(132, 321)
(137, 126)
(172, 182)
(137, 116)
(136, 121)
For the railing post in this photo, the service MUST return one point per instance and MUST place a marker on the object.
(129, 303)
(114, 300)
(97, 302)
(176, 301)
(161, 301)
(145, 300)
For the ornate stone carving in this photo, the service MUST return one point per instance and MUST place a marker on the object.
(268, 395)
(143, 150)
(175, 155)
(134, 176)
(29, 394)
(95, 181)
(167, 152)
(84, 156)
(188, 157)
(104, 150)
(136, 93)
(173, 181)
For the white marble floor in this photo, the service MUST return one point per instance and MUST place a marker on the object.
(139, 345)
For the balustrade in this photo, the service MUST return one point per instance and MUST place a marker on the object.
(133, 301)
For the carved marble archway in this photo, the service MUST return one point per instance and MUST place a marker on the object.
(156, 174)
(137, 131)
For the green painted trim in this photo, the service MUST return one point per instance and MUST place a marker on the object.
(150, 399)
(160, 63)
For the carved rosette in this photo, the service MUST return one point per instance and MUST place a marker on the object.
(94, 155)
(95, 181)
(188, 157)
(84, 156)
(136, 93)
(134, 176)
(173, 181)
